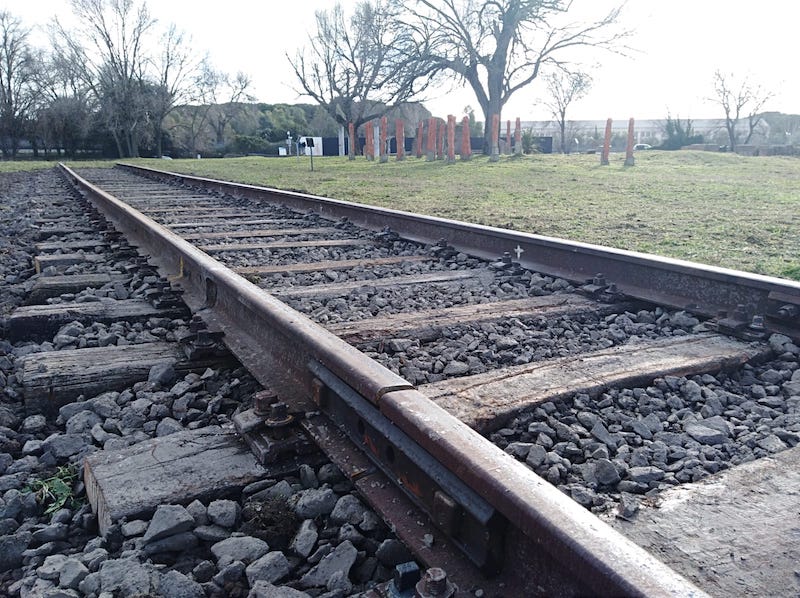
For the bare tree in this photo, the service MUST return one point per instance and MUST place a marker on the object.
(64, 111)
(228, 93)
(18, 75)
(738, 100)
(109, 49)
(193, 125)
(359, 68)
(500, 46)
(564, 88)
(175, 67)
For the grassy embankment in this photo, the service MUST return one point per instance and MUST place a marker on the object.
(721, 209)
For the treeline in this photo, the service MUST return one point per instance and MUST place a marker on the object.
(117, 86)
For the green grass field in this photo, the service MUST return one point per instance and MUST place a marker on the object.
(721, 209)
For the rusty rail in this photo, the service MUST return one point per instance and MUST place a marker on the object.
(559, 547)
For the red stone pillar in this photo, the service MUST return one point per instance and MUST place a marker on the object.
(451, 139)
(430, 146)
(440, 141)
(629, 150)
(494, 151)
(420, 132)
(369, 144)
(466, 146)
(518, 137)
(606, 144)
(400, 137)
(383, 151)
(351, 131)
(508, 137)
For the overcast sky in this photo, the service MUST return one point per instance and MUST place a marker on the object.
(677, 45)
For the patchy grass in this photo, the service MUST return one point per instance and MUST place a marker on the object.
(722, 209)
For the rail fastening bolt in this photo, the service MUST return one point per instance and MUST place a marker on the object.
(434, 584)
(262, 400)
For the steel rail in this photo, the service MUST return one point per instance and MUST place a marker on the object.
(734, 296)
(276, 343)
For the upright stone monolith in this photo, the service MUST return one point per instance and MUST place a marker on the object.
(351, 151)
(629, 150)
(466, 145)
(508, 137)
(451, 139)
(376, 141)
(494, 136)
(606, 144)
(430, 145)
(400, 136)
(518, 137)
(440, 140)
(369, 143)
(382, 147)
(420, 133)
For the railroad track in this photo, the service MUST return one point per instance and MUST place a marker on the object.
(442, 366)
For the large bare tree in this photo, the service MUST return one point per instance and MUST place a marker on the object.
(175, 67)
(18, 82)
(564, 88)
(64, 109)
(109, 46)
(360, 67)
(739, 99)
(500, 46)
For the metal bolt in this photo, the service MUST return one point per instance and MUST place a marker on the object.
(406, 575)
(740, 313)
(278, 411)
(599, 279)
(262, 401)
(434, 584)
(757, 323)
(279, 416)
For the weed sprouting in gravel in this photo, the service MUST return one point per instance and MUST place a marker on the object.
(56, 492)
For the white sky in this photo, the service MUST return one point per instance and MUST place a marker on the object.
(678, 44)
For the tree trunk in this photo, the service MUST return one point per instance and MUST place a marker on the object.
(493, 106)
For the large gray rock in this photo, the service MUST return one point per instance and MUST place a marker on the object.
(704, 434)
(51, 568)
(239, 548)
(224, 513)
(181, 542)
(127, 577)
(73, 572)
(264, 589)
(341, 559)
(168, 520)
(11, 549)
(645, 475)
(305, 538)
(313, 502)
(348, 509)
(772, 444)
(176, 585)
(605, 473)
(271, 567)
(82, 422)
(63, 446)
